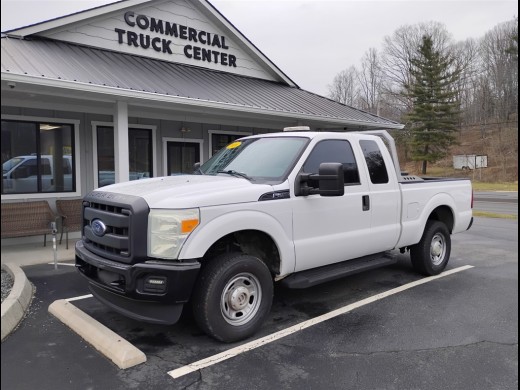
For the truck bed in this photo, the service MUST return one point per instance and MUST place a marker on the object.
(422, 195)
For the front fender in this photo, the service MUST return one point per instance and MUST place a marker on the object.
(207, 234)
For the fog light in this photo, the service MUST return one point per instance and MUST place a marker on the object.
(155, 284)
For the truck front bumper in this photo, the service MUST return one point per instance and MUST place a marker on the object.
(153, 291)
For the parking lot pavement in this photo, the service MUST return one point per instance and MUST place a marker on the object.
(456, 332)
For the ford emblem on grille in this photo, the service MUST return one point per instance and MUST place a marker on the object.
(98, 227)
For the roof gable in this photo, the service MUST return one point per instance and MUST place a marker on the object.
(190, 32)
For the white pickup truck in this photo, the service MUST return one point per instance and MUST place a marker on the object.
(20, 174)
(297, 208)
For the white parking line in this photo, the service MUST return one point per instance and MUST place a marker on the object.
(181, 371)
(78, 298)
(69, 264)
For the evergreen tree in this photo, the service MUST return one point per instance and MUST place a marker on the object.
(435, 111)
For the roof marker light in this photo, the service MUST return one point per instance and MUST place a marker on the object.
(297, 128)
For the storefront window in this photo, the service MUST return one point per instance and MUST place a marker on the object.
(139, 154)
(219, 140)
(37, 157)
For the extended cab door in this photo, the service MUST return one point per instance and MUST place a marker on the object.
(384, 198)
(331, 229)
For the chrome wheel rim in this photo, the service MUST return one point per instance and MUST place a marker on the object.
(241, 299)
(437, 249)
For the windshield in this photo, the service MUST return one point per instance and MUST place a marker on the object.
(9, 164)
(258, 159)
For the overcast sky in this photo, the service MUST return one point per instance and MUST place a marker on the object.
(311, 41)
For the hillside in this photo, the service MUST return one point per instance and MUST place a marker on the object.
(497, 141)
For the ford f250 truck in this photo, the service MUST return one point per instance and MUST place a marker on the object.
(20, 174)
(297, 208)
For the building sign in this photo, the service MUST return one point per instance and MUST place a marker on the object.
(202, 45)
(186, 32)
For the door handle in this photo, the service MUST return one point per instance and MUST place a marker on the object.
(366, 202)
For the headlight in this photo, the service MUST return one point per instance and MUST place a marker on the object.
(168, 229)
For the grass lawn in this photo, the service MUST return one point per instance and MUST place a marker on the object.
(481, 186)
(487, 214)
(436, 171)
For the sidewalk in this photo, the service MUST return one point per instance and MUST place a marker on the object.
(36, 253)
(15, 256)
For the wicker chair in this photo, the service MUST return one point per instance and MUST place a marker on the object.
(71, 219)
(27, 219)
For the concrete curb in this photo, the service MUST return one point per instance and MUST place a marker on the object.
(18, 300)
(110, 344)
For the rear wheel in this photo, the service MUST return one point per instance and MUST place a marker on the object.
(430, 256)
(233, 296)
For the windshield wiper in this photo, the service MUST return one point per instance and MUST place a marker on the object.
(236, 174)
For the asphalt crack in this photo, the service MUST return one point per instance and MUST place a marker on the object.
(194, 382)
(424, 349)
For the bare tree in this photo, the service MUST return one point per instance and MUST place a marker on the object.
(466, 59)
(487, 87)
(398, 52)
(344, 88)
(370, 81)
(500, 67)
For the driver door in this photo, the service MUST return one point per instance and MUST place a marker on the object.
(327, 230)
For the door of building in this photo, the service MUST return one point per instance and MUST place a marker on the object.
(181, 156)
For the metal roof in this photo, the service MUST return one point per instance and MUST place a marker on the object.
(86, 66)
(39, 29)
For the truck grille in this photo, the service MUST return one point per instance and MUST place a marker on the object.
(115, 226)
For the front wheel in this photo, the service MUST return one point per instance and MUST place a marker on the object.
(233, 296)
(430, 256)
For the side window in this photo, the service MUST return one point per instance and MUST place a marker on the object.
(46, 166)
(27, 169)
(334, 151)
(375, 162)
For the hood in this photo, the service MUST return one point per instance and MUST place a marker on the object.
(187, 191)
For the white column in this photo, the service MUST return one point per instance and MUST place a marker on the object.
(121, 158)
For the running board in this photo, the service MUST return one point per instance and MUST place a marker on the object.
(312, 277)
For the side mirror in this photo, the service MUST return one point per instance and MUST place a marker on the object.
(196, 168)
(330, 181)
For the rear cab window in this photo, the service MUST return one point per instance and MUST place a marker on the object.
(375, 162)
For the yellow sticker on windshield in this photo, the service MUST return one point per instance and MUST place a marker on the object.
(234, 145)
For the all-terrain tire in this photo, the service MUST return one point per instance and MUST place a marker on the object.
(232, 296)
(430, 256)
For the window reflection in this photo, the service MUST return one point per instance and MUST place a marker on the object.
(37, 157)
(139, 154)
(375, 162)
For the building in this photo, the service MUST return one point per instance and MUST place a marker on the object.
(140, 89)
